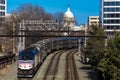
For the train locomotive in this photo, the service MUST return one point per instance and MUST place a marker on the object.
(30, 59)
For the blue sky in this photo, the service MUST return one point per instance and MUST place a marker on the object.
(80, 8)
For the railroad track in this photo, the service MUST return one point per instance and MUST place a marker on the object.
(56, 56)
(53, 66)
(70, 67)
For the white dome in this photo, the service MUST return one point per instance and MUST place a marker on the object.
(68, 13)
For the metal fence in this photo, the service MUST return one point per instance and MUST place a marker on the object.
(7, 60)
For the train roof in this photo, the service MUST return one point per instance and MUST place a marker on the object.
(35, 45)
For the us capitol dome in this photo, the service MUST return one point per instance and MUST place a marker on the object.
(68, 20)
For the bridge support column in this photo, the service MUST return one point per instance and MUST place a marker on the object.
(21, 44)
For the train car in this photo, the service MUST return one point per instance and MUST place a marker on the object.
(60, 43)
(55, 45)
(48, 45)
(43, 51)
(66, 42)
(74, 42)
(30, 59)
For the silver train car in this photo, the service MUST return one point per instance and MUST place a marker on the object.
(30, 59)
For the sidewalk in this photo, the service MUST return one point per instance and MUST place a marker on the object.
(84, 70)
(9, 73)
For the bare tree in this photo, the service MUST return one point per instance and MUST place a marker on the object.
(59, 17)
(25, 12)
(31, 12)
(48, 16)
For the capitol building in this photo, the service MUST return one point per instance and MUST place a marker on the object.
(69, 22)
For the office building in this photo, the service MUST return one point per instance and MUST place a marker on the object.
(2, 10)
(110, 17)
(93, 20)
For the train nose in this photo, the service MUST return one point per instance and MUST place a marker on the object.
(25, 66)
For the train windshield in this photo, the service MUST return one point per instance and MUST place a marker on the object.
(26, 55)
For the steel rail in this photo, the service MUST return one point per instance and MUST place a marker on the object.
(52, 66)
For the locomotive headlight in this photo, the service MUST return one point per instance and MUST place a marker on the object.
(30, 66)
(25, 66)
(20, 66)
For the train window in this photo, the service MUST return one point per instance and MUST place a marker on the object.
(29, 57)
(26, 57)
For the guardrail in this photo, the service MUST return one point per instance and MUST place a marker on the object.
(7, 60)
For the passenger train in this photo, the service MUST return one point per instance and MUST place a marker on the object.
(30, 59)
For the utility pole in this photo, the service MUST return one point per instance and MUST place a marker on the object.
(84, 55)
(79, 46)
(13, 45)
(21, 43)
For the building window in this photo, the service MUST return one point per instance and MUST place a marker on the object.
(111, 9)
(2, 13)
(2, 7)
(108, 27)
(111, 15)
(93, 18)
(2, 1)
(111, 27)
(111, 21)
(117, 3)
